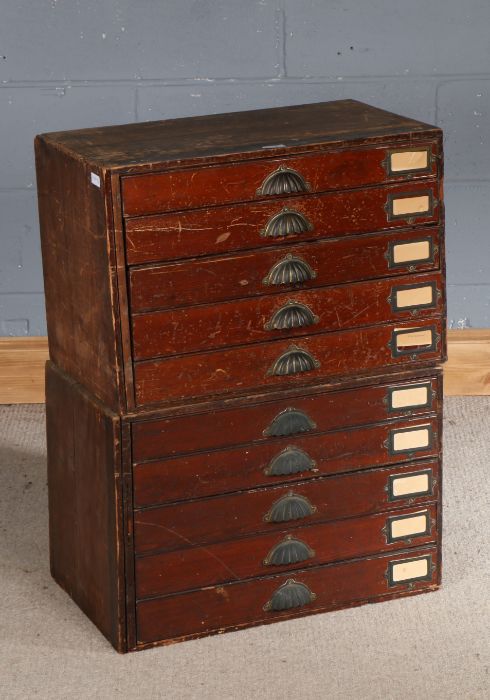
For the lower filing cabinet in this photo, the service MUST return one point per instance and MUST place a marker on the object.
(244, 399)
(296, 510)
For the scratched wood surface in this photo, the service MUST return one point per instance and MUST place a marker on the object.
(85, 501)
(187, 189)
(357, 404)
(229, 516)
(197, 567)
(240, 134)
(212, 326)
(240, 276)
(250, 367)
(242, 604)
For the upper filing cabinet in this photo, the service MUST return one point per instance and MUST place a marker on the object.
(232, 253)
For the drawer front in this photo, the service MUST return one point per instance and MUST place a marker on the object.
(273, 421)
(268, 554)
(282, 461)
(277, 597)
(304, 503)
(289, 315)
(265, 178)
(284, 363)
(292, 268)
(227, 229)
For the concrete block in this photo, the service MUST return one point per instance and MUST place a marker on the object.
(22, 314)
(20, 259)
(463, 111)
(380, 37)
(415, 98)
(123, 39)
(25, 112)
(467, 238)
(468, 305)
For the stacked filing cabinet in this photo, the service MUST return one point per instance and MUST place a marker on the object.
(246, 319)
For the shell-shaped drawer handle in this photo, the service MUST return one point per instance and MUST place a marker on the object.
(289, 270)
(292, 460)
(288, 222)
(293, 361)
(291, 421)
(289, 507)
(289, 551)
(291, 594)
(283, 181)
(291, 315)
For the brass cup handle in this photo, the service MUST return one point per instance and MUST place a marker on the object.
(291, 421)
(289, 551)
(291, 460)
(283, 181)
(287, 222)
(294, 361)
(291, 594)
(292, 315)
(289, 270)
(292, 506)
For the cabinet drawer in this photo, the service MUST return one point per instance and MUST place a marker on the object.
(306, 591)
(271, 421)
(266, 178)
(283, 460)
(272, 509)
(293, 314)
(162, 574)
(284, 363)
(286, 268)
(228, 229)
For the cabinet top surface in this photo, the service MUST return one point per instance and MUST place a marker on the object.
(264, 130)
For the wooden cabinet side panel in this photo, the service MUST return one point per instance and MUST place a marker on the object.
(79, 274)
(85, 510)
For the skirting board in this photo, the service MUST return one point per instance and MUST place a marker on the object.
(467, 372)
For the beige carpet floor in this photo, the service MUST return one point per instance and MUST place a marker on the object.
(434, 646)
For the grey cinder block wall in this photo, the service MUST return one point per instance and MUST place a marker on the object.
(67, 64)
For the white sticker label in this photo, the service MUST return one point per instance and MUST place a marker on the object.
(95, 179)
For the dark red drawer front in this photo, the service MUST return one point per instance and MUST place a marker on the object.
(327, 263)
(285, 363)
(211, 326)
(323, 588)
(220, 518)
(243, 226)
(270, 421)
(263, 464)
(162, 574)
(240, 182)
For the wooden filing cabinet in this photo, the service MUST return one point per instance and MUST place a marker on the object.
(246, 319)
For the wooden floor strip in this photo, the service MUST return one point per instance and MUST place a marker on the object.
(467, 372)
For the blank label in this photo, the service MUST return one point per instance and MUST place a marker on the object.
(411, 252)
(406, 527)
(416, 296)
(412, 339)
(414, 396)
(406, 570)
(409, 160)
(411, 439)
(407, 485)
(411, 205)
